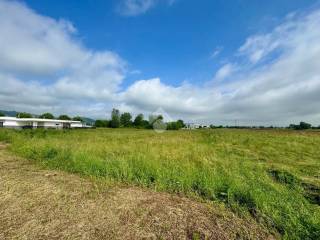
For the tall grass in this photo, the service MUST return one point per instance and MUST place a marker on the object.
(257, 173)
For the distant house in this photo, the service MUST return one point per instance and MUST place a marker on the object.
(195, 126)
(20, 123)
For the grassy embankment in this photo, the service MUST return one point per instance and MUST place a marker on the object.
(272, 176)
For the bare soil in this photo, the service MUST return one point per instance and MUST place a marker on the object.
(44, 204)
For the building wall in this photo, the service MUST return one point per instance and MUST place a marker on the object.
(53, 125)
(12, 124)
(34, 123)
(76, 125)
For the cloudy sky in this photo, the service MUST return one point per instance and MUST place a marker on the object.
(204, 61)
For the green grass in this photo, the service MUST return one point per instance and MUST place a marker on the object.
(271, 175)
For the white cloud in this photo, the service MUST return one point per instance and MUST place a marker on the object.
(41, 60)
(225, 71)
(152, 94)
(283, 38)
(31, 43)
(137, 7)
(283, 90)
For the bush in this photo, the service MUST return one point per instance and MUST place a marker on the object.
(101, 123)
(301, 126)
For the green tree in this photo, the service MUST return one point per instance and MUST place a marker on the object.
(180, 123)
(304, 125)
(125, 119)
(138, 121)
(2, 114)
(301, 126)
(77, 118)
(115, 118)
(146, 124)
(46, 116)
(101, 123)
(175, 125)
(172, 126)
(64, 117)
(24, 115)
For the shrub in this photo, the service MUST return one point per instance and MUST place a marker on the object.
(101, 123)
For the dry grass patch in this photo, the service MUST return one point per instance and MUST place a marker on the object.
(43, 204)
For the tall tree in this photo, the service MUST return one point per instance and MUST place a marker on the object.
(115, 118)
(138, 121)
(125, 119)
(2, 114)
(47, 116)
(180, 124)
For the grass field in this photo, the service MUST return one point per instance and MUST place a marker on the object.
(272, 176)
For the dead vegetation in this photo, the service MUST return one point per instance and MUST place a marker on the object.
(42, 204)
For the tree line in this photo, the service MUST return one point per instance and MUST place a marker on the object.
(300, 126)
(125, 120)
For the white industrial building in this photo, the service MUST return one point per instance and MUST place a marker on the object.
(13, 122)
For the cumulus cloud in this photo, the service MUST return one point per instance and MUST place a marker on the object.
(137, 7)
(282, 90)
(152, 94)
(42, 63)
(31, 43)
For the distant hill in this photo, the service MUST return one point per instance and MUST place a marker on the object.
(9, 113)
(88, 121)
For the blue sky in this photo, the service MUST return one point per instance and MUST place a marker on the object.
(207, 61)
(175, 42)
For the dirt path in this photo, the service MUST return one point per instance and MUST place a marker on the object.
(42, 204)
